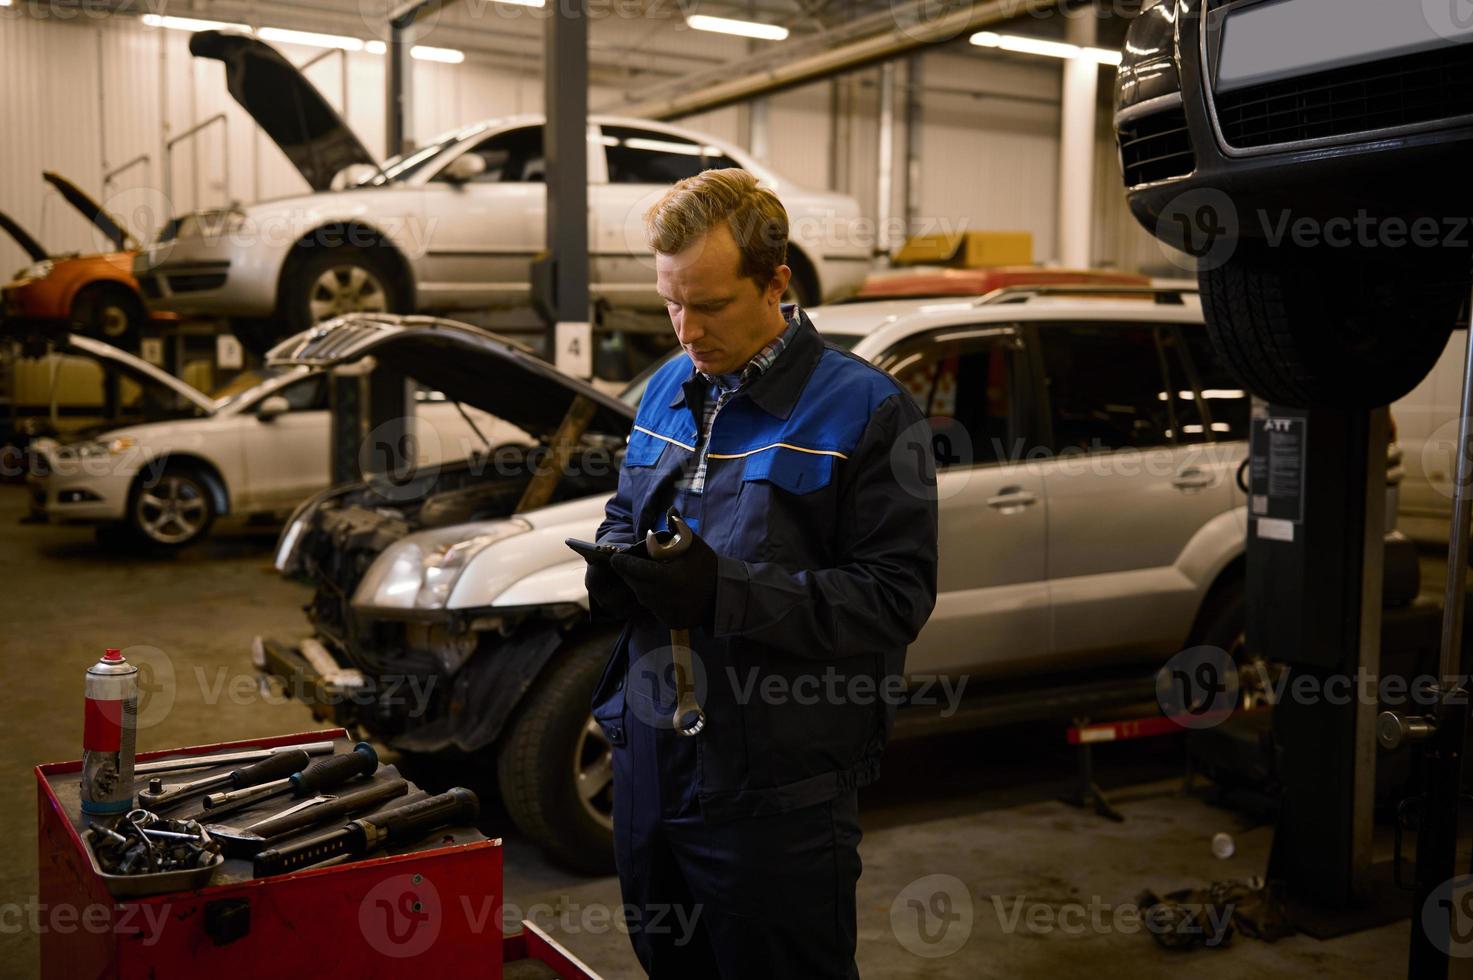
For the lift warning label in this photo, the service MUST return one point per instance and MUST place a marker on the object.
(1277, 476)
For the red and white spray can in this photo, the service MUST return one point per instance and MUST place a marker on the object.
(109, 734)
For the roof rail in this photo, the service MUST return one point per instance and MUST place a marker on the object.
(1163, 295)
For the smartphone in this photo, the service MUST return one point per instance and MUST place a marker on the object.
(594, 554)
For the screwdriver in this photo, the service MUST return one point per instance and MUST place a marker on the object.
(320, 775)
(271, 768)
(368, 834)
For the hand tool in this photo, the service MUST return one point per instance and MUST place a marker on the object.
(225, 758)
(688, 718)
(367, 834)
(320, 775)
(247, 841)
(161, 794)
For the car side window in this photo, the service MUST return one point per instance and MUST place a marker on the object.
(642, 156)
(511, 157)
(1228, 404)
(962, 381)
(306, 395)
(1106, 389)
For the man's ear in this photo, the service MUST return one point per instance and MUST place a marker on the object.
(779, 284)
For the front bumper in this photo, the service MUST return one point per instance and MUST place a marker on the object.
(1296, 148)
(213, 276)
(67, 488)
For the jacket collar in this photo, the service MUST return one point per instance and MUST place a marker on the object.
(776, 390)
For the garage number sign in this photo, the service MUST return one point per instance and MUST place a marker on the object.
(1276, 476)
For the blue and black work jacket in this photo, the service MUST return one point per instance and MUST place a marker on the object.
(820, 501)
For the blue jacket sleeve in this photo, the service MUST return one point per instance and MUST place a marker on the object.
(882, 591)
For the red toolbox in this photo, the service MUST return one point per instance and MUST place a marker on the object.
(435, 906)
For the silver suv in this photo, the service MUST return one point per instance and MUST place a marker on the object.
(1091, 526)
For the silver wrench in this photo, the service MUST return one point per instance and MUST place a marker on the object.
(688, 718)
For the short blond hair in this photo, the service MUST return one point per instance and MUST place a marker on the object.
(693, 206)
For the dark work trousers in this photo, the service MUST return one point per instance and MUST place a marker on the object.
(758, 898)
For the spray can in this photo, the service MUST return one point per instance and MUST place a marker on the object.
(108, 735)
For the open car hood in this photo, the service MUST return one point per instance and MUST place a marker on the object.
(92, 211)
(22, 238)
(466, 363)
(285, 105)
(136, 369)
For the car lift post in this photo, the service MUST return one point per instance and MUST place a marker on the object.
(371, 437)
(1316, 512)
(1441, 733)
(560, 275)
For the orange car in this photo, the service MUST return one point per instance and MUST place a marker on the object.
(95, 295)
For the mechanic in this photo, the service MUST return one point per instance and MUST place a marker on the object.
(808, 477)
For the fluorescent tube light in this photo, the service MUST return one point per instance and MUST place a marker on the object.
(741, 28)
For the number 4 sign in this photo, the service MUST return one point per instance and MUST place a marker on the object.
(575, 349)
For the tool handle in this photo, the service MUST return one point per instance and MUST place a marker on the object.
(344, 805)
(326, 773)
(270, 768)
(456, 805)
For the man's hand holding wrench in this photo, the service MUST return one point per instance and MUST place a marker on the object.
(677, 583)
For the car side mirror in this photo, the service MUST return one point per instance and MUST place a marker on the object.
(272, 407)
(464, 168)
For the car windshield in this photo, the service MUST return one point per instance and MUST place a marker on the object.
(242, 383)
(405, 165)
(634, 391)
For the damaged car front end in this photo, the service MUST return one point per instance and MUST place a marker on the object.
(446, 615)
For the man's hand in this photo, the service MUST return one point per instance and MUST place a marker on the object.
(680, 592)
(608, 595)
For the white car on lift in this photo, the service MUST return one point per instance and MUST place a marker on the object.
(453, 225)
(259, 447)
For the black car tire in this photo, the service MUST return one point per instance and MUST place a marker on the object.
(307, 269)
(1338, 328)
(544, 746)
(110, 314)
(193, 490)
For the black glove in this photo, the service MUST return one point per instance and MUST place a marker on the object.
(608, 596)
(680, 592)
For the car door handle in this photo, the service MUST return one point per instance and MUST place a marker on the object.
(1011, 497)
(1192, 478)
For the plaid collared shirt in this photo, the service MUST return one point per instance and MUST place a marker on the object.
(723, 386)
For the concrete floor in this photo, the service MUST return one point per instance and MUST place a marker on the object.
(981, 809)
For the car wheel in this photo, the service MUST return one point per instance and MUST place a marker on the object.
(1224, 621)
(329, 282)
(554, 766)
(173, 509)
(1342, 328)
(109, 314)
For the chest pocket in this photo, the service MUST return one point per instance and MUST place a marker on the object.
(643, 449)
(792, 470)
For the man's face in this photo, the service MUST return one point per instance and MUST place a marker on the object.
(721, 317)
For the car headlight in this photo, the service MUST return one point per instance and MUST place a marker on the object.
(420, 572)
(110, 447)
(211, 224)
(36, 270)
